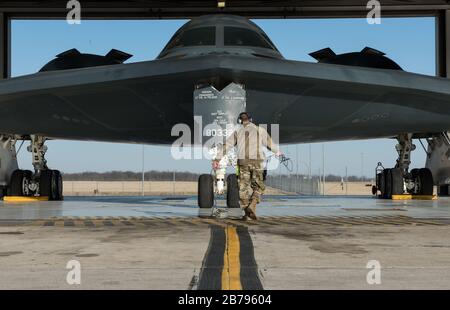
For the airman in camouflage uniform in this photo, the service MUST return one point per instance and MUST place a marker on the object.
(249, 141)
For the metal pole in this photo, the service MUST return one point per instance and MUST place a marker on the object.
(296, 155)
(143, 172)
(5, 46)
(310, 174)
(443, 43)
(173, 183)
(323, 168)
(319, 176)
(362, 166)
(346, 181)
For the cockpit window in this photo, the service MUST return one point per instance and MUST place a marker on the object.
(235, 36)
(194, 37)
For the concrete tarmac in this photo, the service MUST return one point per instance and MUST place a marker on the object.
(168, 243)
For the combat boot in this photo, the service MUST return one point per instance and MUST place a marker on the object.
(250, 211)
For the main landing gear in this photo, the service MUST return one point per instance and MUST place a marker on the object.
(399, 180)
(43, 181)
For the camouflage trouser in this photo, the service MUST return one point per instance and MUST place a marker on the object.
(251, 183)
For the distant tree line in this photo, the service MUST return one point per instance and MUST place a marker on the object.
(154, 175)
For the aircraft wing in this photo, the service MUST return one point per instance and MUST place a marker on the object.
(140, 102)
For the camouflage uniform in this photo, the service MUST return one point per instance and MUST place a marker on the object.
(250, 177)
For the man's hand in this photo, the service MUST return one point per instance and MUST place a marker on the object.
(215, 164)
(278, 154)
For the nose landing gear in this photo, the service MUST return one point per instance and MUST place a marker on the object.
(211, 185)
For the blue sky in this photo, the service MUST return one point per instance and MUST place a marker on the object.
(409, 41)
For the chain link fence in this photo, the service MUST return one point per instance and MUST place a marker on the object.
(298, 184)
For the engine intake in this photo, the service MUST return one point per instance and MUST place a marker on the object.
(367, 57)
(73, 59)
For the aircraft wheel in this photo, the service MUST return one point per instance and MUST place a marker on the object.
(206, 191)
(50, 184)
(397, 181)
(18, 182)
(444, 190)
(232, 191)
(387, 176)
(57, 179)
(426, 181)
(415, 177)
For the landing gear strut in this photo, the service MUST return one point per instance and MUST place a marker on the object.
(399, 180)
(44, 181)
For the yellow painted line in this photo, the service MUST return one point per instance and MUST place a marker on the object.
(414, 197)
(24, 198)
(231, 273)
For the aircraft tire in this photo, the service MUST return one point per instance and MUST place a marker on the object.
(444, 190)
(387, 175)
(397, 181)
(232, 191)
(426, 181)
(16, 183)
(59, 184)
(50, 184)
(206, 191)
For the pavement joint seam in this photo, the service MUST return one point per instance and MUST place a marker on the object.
(223, 222)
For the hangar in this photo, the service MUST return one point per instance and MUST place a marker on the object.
(119, 9)
(439, 9)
